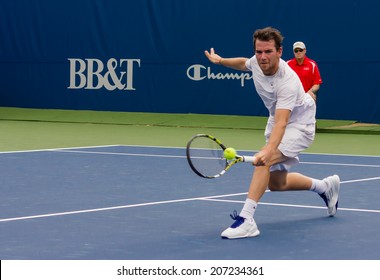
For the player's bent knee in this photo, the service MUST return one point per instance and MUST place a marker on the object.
(278, 182)
(277, 187)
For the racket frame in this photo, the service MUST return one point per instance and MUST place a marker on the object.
(229, 163)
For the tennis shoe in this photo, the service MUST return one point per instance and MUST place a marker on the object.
(331, 195)
(241, 228)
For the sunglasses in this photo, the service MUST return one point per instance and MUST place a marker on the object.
(298, 50)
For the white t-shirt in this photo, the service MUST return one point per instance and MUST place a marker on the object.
(283, 90)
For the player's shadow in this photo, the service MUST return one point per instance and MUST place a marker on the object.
(297, 227)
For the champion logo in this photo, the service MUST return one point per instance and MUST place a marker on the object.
(198, 72)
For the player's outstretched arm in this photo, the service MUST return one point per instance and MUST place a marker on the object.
(237, 63)
(212, 56)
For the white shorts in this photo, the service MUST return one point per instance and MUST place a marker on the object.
(296, 139)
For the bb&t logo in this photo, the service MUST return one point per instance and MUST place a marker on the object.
(91, 73)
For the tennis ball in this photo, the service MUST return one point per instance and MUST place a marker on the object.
(229, 153)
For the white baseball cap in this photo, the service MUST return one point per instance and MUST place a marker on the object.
(299, 45)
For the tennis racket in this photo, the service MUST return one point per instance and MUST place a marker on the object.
(205, 155)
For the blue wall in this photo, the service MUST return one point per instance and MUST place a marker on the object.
(147, 56)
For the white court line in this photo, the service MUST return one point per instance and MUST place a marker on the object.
(69, 150)
(213, 198)
(169, 147)
(173, 156)
(340, 164)
(360, 180)
(294, 205)
(120, 154)
(307, 206)
(114, 207)
(57, 149)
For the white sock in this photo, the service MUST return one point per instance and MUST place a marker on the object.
(248, 209)
(318, 186)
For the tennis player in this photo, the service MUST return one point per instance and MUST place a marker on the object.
(290, 130)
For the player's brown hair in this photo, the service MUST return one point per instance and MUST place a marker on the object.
(267, 34)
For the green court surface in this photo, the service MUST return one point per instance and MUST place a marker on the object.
(29, 129)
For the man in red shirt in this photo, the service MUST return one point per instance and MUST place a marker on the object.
(306, 69)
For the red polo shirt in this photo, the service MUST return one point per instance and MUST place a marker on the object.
(308, 72)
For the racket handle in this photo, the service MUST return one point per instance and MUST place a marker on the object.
(248, 158)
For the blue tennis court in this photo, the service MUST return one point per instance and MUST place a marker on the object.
(144, 203)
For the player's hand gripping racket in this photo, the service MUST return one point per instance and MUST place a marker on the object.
(206, 157)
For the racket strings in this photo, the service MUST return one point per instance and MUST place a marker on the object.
(207, 156)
